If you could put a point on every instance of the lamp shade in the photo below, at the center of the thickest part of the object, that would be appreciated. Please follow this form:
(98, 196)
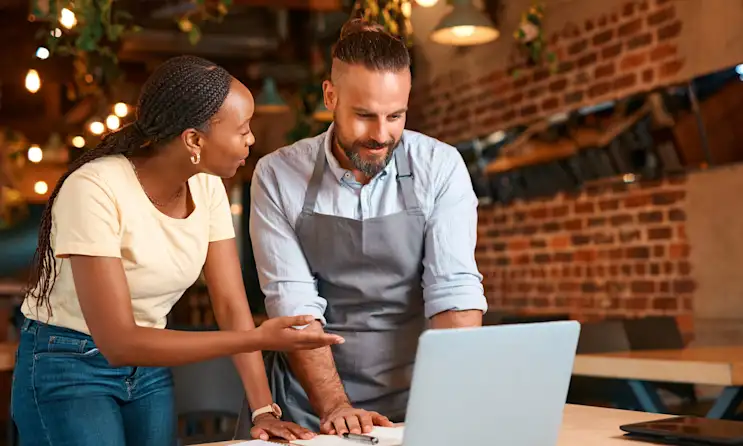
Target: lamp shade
(321, 113)
(269, 100)
(464, 25)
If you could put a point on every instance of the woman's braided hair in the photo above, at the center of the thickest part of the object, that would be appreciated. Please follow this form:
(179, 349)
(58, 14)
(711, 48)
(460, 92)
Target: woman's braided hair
(184, 92)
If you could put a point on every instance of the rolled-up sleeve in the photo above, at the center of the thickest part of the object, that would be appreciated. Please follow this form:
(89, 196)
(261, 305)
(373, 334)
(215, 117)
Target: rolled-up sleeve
(451, 280)
(283, 272)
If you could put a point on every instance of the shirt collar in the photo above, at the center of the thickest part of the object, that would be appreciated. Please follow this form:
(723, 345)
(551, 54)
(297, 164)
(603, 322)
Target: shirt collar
(339, 172)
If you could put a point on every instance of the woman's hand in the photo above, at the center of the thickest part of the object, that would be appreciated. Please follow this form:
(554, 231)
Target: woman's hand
(279, 334)
(266, 426)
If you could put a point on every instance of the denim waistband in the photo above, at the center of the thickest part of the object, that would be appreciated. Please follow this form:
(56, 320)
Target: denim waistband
(33, 326)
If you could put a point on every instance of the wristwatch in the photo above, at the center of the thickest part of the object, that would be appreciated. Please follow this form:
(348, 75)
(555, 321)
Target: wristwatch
(273, 409)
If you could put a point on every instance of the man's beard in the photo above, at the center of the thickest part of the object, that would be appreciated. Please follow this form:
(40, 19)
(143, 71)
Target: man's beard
(370, 168)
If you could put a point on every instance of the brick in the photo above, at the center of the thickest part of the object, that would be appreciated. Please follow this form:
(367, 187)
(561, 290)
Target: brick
(605, 70)
(626, 81)
(684, 286)
(558, 85)
(566, 66)
(620, 220)
(638, 252)
(542, 258)
(670, 31)
(585, 255)
(574, 97)
(588, 59)
(677, 215)
(654, 269)
(609, 205)
(635, 201)
(670, 197)
(529, 110)
(663, 51)
(627, 270)
(580, 239)
(630, 28)
(596, 221)
(582, 78)
(665, 303)
(577, 47)
(560, 211)
(599, 89)
(574, 225)
(614, 17)
(541, 75)
(560, 242)
(563, 257)
(589, 25)
(679, 251)
(628, 9)
(664, 233)
(603, 239)
(640, 269)
(648, 76)
(550, 104)
(662, 16)
(644, 6)
(650, 217)
(681, 230)
(684, 268)
(584, 208)
(603, 20)
(633, 61)
(671, 68)
(602, 37)
(642, 286)
(639, 41)
(536, 92)
(659, 251)
(611, 51)
(629, 235)
(551, 227)
(636, 303)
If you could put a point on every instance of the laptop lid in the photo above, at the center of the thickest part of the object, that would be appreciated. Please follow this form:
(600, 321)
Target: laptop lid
(502, 384)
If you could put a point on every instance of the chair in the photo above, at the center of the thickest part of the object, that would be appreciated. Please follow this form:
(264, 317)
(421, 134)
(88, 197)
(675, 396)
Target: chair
(601, 337)
(660, 332)
(208, 397)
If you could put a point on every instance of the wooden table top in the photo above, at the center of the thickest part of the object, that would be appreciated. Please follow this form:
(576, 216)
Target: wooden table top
(7, 356)
(719, 366)
(582, 425)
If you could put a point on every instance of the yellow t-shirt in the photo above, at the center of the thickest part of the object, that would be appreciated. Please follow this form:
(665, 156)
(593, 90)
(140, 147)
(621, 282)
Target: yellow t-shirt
(102, 210)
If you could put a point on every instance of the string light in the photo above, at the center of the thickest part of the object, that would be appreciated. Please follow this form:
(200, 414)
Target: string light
(426, 3)
(35, 154)
(67, 18)
(56, 32)
(33, 81)
(113, 122)
(42, 53)
(97, 128)
(121, 109)
(40, 187)
(78, 141)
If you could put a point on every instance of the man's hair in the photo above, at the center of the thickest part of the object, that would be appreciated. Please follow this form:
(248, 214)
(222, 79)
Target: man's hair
(370, 45)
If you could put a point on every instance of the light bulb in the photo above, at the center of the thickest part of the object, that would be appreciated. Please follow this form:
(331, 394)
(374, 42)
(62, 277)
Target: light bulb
(97, 128)
(35, 154)
(121, 109)
(407, 9)
(42, 53)
(426, 3)
(113, 122)
(67, 18)
(463, 31)
(78, 142)
(41, 187)
(56, 32)
(33, 81)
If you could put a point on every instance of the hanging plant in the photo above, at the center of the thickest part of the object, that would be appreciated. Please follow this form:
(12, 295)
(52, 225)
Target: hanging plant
(204, 11)
(393, 15)
(531, 40)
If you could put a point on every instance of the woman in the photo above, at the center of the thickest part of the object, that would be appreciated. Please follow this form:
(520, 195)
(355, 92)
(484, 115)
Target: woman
(126, 231)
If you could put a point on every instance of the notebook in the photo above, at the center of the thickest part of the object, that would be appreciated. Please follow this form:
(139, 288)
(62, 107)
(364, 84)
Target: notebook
(388, 436)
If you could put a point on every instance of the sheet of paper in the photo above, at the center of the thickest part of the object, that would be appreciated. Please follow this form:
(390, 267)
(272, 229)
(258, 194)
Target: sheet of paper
(256, 443)
(388, 436)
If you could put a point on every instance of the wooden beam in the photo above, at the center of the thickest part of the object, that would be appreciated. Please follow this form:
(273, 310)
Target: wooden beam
(312, 5)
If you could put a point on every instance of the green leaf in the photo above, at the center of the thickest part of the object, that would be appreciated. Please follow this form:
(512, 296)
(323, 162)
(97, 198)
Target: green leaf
(194, 35)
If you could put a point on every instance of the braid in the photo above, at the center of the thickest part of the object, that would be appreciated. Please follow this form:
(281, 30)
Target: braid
(184, 92)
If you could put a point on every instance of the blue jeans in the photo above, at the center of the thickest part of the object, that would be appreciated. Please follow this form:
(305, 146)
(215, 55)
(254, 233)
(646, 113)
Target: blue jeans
(66, 393)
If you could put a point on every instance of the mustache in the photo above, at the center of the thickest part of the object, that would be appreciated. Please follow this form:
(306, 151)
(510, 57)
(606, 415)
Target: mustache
(371, 144)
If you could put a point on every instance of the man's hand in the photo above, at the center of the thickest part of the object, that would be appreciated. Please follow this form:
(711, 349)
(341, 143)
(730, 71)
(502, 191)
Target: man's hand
(345, 418)
(267, 426)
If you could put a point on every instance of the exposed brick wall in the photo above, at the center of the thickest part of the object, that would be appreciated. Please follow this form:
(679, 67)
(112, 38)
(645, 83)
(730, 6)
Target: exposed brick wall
(613, 250)
(631, 49)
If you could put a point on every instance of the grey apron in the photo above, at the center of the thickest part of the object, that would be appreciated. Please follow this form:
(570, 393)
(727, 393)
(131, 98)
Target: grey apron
(370, 273)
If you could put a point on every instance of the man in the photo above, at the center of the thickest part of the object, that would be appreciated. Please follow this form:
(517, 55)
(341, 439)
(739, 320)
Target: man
(370, 228)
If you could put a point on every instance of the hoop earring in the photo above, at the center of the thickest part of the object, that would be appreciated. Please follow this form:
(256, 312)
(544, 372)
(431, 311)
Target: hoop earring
(196, 158)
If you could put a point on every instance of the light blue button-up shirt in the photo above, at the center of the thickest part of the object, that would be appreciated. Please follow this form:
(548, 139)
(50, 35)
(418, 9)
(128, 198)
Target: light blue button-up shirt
(451, 280)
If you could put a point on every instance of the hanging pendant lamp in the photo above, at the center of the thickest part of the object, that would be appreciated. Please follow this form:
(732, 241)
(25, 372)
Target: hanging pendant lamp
(269, 100)
(464, 25)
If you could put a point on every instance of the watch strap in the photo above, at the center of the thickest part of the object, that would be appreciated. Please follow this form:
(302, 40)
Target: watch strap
(273, 409)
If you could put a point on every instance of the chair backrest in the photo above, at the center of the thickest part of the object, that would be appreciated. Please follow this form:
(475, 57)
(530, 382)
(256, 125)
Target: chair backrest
(603, 337)
(212, 386)
(653, 332)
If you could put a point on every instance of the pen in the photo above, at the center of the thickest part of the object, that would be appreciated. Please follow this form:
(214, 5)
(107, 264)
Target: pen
(361, 438)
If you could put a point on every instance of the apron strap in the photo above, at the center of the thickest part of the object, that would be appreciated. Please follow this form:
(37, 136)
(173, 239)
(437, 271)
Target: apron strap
(310, 198)
(405, 179)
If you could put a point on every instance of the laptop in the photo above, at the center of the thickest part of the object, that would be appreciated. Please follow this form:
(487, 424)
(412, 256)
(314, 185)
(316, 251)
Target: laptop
(503, 384)
(687, 430)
